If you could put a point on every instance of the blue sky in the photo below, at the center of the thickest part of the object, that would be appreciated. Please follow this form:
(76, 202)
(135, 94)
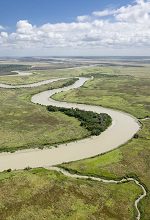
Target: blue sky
(74, 27)
(44, 11)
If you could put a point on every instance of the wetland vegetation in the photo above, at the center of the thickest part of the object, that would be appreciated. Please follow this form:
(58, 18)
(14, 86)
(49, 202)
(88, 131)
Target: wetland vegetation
(126, 93)
(26, 125)
(42, 194)
(95, 123)
(6, 69)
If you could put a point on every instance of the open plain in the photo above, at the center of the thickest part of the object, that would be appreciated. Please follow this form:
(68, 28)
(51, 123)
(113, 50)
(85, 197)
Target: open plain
(25, 125)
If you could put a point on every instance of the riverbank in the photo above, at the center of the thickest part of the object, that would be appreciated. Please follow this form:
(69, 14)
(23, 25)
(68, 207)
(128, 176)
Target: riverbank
(114, 123)
(122, 129)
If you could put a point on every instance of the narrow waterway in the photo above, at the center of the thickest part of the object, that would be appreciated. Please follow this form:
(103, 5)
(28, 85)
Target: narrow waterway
(124, 180)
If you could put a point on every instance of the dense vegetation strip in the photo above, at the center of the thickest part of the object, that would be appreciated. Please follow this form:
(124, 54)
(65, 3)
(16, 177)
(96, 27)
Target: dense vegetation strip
(8, 68)
(68, 82)
(132, 159)
(95, 123)
(25, 125)
(120, 93)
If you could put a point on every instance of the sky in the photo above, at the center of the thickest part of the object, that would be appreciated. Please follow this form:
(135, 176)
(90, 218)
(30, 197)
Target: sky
(74, 27)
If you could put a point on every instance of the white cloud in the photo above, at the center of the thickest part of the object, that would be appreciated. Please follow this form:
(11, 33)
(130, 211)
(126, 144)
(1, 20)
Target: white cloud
(140, 12)
(104, 13)
(83, 18)
(24, 27)
(140, 2)
(129, 28)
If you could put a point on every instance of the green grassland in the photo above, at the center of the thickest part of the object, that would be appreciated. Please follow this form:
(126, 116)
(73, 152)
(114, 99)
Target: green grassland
(40, 194)
(27, 125)
(130, 94)
(140, 72)
(19, 80)
(131, 159)
(124, 93)
(39, 75)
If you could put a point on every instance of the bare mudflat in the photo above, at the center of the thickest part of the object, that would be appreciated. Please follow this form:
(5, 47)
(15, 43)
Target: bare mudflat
(122, 129)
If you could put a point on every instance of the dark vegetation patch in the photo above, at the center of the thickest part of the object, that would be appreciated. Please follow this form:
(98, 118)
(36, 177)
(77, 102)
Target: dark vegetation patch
(26, 125)
(69, 82)
(6, 69)
(93, 122)
(125, 93)
(28, 195)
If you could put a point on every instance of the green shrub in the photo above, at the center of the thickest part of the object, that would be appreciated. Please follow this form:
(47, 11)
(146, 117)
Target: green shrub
(93, 122)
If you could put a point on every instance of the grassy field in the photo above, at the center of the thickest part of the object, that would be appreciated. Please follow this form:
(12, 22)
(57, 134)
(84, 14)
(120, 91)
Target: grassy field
(131, 159)
(39, 75)
(26, 125)
(140, 72)
(47, 74)
(39, 194)
(19, 80)
(130, 94)
(125, 93)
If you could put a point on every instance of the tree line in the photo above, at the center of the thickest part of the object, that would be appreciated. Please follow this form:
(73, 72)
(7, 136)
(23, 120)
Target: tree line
(95, 123)
(7, 68)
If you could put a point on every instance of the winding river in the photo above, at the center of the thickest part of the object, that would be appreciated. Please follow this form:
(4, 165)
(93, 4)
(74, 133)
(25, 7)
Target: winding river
(123, 128)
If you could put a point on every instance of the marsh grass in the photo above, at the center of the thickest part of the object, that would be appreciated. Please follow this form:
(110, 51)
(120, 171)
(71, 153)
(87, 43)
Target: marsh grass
(26, 125)
(130, 94)
(42, 194)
